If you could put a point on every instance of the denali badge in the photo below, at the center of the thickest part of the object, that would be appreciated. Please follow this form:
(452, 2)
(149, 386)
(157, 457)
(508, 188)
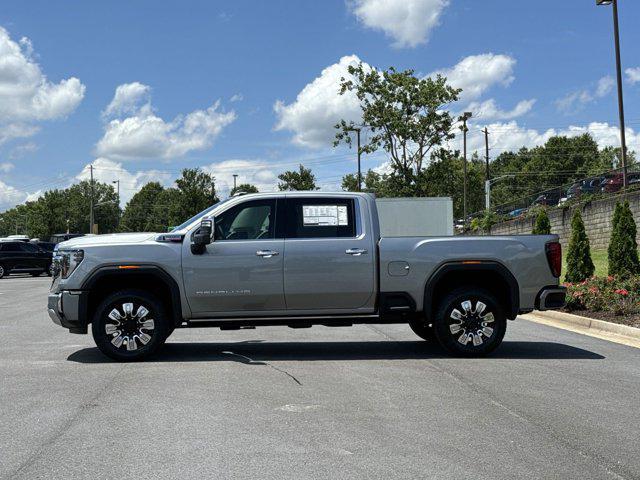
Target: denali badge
(223, 292)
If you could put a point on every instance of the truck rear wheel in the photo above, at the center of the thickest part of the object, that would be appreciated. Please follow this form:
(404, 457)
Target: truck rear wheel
(470, 322)
(423, 329)
(130, 325)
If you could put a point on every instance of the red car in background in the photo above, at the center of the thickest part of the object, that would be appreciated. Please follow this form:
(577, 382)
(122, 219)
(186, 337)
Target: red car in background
(613, 183)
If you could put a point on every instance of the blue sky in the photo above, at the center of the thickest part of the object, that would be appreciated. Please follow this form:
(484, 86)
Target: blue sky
(248, 87)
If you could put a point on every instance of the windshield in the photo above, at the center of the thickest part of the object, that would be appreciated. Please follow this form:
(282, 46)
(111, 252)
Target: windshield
(199, 215)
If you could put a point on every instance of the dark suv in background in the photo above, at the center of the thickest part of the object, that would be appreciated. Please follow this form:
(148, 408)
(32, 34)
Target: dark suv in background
(24, 257)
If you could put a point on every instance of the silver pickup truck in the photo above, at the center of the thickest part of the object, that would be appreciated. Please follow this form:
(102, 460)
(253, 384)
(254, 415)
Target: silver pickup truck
(299, 259)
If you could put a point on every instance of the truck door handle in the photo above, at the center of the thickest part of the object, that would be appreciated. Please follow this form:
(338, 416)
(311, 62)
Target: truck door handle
(267, 253)
(356, 252)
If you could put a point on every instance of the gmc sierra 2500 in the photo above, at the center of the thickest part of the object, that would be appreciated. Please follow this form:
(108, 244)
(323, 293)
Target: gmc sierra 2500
(299, 259)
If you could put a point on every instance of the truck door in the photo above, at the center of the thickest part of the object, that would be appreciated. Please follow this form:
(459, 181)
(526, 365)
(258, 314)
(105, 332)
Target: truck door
(329, 258)
(241, 270)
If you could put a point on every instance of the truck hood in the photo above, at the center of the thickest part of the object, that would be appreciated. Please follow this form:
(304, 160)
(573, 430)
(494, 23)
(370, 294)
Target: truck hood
(111, 239)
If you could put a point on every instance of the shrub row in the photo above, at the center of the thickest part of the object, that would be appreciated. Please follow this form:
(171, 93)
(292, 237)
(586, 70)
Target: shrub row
(620, 296)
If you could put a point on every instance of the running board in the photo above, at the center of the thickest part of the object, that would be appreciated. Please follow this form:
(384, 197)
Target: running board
(293, 322)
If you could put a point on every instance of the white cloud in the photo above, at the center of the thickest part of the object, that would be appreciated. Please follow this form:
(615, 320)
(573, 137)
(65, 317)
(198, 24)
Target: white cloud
(26, 95)
(238, 97)
(605, 86)
(20, 151)
(6, 167)
(575, 101)
(249, 171)
(488, 110)
(510, 136)
(144, 135)
(633, 75)
(476, 74)
(408, 22)
(128, 99)
(9, 196)
(108, 171)
(319, 106)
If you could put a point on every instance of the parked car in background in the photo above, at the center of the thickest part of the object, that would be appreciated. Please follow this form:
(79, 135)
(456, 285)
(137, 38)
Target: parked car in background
(62, 237)
(548, 199)
(15, 238)
(24, 257)
(573, 191)
(517, 212)
(611, 183)
(591, 185)
(46, 246)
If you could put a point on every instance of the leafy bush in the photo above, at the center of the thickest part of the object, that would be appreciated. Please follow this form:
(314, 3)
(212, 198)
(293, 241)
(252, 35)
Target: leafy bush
(620, 296)
(623, 248)
(485, 222)
(579, 263)
(542, 225)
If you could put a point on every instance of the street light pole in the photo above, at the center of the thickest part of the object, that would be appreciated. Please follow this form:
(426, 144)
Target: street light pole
(616, 34)
(465, 116)
(487, 189)
(91, 218)
(235, 180)
(486, 156)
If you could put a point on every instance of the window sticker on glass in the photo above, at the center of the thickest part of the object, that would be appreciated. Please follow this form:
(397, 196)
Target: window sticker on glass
(324, 215)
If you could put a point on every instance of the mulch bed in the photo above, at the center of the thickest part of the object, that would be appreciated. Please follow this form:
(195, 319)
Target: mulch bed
(630, 320)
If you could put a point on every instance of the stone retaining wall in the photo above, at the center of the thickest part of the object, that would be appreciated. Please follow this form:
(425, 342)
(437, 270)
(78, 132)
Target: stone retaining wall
(596, 214)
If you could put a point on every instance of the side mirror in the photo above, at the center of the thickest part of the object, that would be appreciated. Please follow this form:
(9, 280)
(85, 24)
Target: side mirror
(202, 237)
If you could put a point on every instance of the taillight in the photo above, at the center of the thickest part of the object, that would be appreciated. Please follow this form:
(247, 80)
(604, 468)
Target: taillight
(554, 257)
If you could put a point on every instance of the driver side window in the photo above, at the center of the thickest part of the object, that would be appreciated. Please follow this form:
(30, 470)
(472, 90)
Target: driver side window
(248, 221)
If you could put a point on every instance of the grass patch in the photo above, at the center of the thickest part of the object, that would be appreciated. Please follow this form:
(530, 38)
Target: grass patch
(600, 261)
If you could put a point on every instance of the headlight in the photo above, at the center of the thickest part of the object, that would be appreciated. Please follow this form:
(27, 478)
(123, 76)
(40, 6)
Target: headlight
(66, 261)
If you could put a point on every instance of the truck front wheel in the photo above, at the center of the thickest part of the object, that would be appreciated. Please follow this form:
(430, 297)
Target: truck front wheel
(470, 322)
(130, 325)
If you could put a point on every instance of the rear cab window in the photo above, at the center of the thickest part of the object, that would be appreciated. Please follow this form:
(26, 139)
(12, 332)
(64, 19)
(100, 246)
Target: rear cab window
(320, 217)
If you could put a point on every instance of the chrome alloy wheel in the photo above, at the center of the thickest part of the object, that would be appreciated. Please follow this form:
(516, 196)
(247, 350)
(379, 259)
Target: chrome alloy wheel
(471, 324)
(129, 330)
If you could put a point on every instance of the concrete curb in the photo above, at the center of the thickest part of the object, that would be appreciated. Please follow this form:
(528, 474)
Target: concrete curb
(588, 326)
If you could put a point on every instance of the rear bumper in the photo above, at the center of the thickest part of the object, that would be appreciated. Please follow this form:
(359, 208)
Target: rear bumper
(67, 308)
(551, 298)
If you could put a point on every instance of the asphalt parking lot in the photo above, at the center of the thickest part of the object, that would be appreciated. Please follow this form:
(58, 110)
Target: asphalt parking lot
(275, 403)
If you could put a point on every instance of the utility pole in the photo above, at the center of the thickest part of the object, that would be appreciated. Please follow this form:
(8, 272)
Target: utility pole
(616, 34)
(359, 170)
(91, 219)
(118, 188)
(465, 116)
(486, 155)
(358, 130)
(235, 178)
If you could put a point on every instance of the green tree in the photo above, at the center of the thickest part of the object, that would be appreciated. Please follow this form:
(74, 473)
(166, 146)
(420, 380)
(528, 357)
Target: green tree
(57, 211)
(371, 182)
(623, 248)
(484, 222)
(138, 215)
(404, 114)
(579, 263)
(197, 191)
(542, 225)
(300, 180)
(243, 187)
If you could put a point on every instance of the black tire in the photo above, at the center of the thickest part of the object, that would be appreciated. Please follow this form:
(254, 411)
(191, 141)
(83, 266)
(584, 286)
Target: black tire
(3, 271)
(114, 336)
(423, 329)
(471, 334)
